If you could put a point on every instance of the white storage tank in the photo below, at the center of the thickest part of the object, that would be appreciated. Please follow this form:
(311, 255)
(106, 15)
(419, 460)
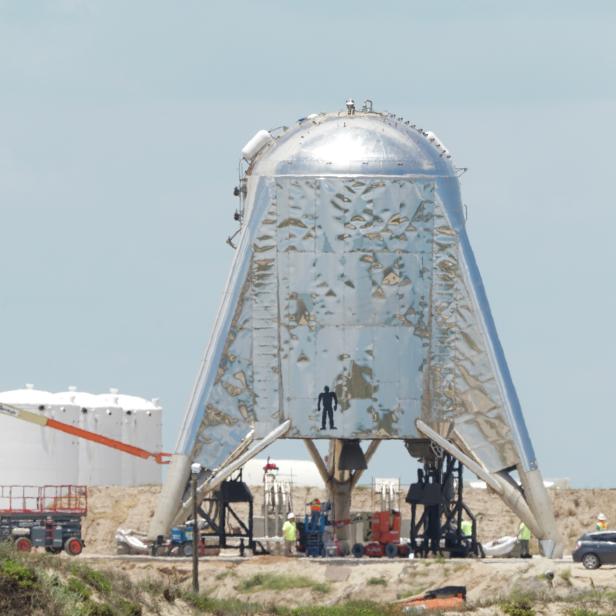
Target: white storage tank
(99, 465)
(149, 436)
(33, 455)
(30, 454)
(65, 447)
(141, 427)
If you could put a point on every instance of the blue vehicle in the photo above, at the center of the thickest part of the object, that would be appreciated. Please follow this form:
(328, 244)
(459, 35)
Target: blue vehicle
(596, 549)
(181, 540)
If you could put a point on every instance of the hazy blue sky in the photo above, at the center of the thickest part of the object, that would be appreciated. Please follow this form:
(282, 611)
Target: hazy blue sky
(121, 124)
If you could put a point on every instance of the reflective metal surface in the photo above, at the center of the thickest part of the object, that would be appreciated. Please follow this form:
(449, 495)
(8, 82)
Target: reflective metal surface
(363, 144)
(354, 272)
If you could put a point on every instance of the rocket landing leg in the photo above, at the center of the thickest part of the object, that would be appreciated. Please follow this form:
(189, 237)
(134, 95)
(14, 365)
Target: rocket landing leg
(550, 541)
(339, 491)
(532, 504)
(175, 484)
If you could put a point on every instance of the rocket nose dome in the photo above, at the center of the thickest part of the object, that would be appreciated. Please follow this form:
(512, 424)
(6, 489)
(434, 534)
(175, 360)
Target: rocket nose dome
(364, 143)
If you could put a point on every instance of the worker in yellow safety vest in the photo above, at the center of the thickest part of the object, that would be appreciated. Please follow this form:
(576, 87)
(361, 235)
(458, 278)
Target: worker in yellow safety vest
(524, 539)
(466, 526)
(289, 533)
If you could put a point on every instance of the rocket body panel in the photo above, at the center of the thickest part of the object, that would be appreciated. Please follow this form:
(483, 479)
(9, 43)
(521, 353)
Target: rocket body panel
(353, 273)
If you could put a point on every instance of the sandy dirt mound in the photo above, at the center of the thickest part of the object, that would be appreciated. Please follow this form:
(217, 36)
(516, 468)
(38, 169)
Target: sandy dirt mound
(126, 507)
(112, 507)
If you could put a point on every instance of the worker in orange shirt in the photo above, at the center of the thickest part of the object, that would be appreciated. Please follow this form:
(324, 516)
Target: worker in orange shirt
(315, 511)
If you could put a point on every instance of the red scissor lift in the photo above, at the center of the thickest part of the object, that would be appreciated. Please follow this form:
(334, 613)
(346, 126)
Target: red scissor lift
(43, 516)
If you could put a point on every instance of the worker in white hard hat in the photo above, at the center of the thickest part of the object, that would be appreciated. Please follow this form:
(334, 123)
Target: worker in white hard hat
(601, 523)
(289, 534)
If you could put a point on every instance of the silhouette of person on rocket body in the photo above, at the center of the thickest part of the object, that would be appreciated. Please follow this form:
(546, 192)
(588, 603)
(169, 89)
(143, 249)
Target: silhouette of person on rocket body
(327, 397)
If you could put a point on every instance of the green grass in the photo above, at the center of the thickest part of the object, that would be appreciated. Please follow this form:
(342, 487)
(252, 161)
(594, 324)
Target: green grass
(221, 607)
(40, 584)
(45, 584)
(224, 574)
(377, 581)
(98, 580)
(17, 573)
(593, 602)
(518, 607)
(18, 587)
(273, 581)
(235, 607)
(78, 588)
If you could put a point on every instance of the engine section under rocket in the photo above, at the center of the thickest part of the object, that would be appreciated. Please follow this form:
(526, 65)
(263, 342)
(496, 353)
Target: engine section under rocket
(354, 272)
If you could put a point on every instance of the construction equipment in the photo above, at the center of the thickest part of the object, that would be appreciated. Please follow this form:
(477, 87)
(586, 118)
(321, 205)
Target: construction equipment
(438, 529)
(50, 516)
(43, 516)
(446, 598)
(223, 522)
(312, 532)
(277, 500)
(220, 526)
(181, 541)
(383, 537)
(47, 422)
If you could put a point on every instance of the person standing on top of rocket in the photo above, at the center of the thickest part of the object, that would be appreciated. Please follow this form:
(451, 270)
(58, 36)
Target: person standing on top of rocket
(326, 397)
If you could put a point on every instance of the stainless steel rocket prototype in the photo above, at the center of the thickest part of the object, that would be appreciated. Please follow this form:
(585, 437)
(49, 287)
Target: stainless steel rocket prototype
(354, 271)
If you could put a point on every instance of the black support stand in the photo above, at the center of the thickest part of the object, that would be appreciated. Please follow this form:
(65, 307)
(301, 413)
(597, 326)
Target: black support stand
(437, 528)
(219, 514)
